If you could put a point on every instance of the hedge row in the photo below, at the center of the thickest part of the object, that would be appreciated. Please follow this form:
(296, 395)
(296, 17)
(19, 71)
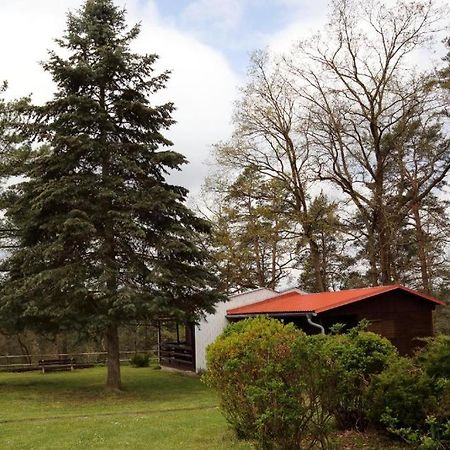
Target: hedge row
(286, 390)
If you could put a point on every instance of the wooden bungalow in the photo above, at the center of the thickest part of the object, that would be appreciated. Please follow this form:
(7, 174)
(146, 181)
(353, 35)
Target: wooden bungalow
(400, 314)
(396, 312)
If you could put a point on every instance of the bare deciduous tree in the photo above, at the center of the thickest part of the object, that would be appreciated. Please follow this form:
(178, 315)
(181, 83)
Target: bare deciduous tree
(358, 86)
(269, 139)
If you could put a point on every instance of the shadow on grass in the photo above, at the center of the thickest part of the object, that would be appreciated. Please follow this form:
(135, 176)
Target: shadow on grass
(83, 386)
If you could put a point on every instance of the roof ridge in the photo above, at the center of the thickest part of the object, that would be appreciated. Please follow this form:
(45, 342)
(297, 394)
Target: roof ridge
(277, 296)
(341, 299)
(253, 290)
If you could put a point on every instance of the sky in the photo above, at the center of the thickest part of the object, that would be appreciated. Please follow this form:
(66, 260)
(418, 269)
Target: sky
(205, 43)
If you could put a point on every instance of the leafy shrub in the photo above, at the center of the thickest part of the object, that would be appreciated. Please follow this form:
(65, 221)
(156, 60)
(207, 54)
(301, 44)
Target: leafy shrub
(411, 398)
(434, 435)
(272, 380)
(140, 360)
(358, 356)
(402, 391)
(236, 362)
(434, 358)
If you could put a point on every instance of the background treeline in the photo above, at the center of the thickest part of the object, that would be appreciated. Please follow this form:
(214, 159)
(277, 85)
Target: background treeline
(134, 338)
(336, 173)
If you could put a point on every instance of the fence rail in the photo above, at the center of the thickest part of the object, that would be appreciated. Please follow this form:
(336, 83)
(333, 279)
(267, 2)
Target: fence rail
(177, 355)
(31, 362)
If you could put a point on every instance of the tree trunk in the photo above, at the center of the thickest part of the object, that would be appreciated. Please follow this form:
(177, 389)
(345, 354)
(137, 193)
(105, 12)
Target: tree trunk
(302, 210)
(260, 276)
(385, 268)
(113, 381)
(315, 258)
(273, 274)
(381, 225)
(62, 344)
(147, 344)
(24, 349)
(420, 237)
(372, 257)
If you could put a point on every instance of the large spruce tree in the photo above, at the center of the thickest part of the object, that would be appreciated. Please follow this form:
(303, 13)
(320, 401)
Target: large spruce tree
(103, 237)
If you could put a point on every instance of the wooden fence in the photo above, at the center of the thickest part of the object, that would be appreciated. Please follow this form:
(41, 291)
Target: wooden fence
(23, 363)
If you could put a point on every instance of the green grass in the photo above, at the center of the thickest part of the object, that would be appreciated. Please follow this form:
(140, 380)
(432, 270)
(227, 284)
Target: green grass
(71, 410)
(158, 411)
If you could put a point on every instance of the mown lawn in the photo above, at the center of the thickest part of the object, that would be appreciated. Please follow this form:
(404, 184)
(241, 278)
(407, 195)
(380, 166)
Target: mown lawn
(71, 410)
(158, 411)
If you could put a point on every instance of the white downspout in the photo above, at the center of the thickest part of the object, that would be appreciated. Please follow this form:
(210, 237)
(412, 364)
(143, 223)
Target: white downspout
(314, 324)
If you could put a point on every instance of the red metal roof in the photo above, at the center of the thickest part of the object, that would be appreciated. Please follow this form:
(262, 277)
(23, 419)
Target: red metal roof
(293, 302)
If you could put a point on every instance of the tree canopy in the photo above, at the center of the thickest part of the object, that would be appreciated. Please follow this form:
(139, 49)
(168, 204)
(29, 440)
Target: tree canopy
(103, 238)
(347, 114)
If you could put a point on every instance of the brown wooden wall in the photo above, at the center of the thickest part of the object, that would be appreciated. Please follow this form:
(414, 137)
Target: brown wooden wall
(397, 315)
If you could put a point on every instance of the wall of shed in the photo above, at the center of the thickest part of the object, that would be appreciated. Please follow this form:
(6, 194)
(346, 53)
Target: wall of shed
(213, 325)
(399, 316)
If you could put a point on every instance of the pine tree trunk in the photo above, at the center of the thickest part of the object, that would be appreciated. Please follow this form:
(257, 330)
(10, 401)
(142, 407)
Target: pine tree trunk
(259, 268)
(385, 269)
(372, 273)
(113, 380)
(420, 237)
(273, 270)
(380, 223)
(318, 274)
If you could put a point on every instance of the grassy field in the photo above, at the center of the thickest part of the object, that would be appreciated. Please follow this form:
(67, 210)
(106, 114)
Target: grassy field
(71, 410)
(158, 411)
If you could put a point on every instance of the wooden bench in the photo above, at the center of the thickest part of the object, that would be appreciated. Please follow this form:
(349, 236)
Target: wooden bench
(49, 365)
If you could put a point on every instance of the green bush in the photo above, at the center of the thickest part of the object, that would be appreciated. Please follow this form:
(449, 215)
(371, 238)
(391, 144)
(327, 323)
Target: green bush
(358, 356)
(433, 435)
(402, 391)
(272, 380)
(140, 360)
(434, 358)
(411, 398)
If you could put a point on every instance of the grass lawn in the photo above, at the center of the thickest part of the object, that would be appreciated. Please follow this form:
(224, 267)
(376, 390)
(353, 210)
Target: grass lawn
(71, 410)
(158, 411)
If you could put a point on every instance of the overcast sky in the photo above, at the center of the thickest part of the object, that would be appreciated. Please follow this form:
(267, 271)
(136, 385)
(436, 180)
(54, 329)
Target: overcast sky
(206, 44)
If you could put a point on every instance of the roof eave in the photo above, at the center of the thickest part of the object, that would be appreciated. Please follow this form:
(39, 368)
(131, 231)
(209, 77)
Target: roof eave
(270, 314)
(389, 289)
(338, 305)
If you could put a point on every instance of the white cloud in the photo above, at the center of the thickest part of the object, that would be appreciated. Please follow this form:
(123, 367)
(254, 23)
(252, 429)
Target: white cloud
(219, 14)
(26, 31)
(310, 17)
(202, 85)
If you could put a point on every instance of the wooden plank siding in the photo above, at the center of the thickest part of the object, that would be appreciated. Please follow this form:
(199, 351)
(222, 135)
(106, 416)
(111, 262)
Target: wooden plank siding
(397, 315)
